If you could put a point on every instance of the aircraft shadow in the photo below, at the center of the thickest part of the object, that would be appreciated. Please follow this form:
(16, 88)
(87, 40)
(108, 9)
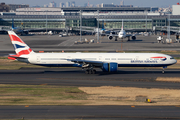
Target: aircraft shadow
(78, 72)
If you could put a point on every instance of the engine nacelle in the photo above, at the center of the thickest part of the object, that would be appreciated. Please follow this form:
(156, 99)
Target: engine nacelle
(110, 37)
(133, 37)
(110, 67)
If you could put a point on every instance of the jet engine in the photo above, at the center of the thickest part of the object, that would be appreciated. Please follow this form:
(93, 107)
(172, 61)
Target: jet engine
(133, 37)
(110, 67)
(110, 37)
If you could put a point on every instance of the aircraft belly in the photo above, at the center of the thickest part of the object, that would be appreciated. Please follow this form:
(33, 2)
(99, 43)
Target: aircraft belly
(143, 65)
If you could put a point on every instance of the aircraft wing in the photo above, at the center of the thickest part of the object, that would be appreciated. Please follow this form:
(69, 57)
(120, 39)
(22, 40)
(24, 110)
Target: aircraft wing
(84, 61)
(114, 35)
(128, 35)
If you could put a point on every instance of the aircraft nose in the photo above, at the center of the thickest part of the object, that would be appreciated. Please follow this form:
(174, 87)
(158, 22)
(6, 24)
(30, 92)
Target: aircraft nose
(175, 61)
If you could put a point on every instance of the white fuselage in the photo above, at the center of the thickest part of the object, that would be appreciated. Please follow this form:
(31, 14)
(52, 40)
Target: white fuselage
(122, 34)
(123, 59)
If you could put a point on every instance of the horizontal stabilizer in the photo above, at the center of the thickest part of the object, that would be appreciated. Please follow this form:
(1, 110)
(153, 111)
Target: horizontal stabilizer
(14, 57)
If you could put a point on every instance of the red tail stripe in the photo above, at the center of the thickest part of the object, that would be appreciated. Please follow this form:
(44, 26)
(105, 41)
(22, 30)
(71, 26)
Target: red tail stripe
(15, 38)
(158, 57)
(24, 52)
(13, 57)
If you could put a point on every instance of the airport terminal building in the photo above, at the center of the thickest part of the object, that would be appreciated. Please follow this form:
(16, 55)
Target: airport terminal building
(138, 18)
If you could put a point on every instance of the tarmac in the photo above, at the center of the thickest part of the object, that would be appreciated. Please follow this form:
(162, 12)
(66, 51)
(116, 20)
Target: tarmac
(141, 78)
(125, 77)
(54, 43)
(90, 112)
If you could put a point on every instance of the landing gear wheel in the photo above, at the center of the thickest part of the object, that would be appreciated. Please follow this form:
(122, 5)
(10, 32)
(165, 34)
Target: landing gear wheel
(90, 72)
(163, 69)
(87, 71)
(93, 71)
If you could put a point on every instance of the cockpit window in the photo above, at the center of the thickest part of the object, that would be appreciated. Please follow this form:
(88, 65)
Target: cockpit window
(171, 58)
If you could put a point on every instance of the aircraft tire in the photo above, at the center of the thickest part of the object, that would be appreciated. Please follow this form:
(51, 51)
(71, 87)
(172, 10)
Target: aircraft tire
(87, 71)
(94, 71)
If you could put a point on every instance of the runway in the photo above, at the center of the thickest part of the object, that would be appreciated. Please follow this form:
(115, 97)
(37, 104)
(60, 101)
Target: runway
(90, 112)
(143, 78)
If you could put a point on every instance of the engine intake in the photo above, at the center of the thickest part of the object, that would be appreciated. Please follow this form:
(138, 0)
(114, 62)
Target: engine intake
(110, 37)
(133, 37)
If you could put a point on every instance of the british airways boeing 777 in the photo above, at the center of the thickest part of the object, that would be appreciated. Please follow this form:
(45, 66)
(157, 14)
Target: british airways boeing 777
(108, 62)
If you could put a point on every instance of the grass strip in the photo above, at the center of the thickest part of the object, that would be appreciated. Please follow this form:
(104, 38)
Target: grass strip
(40, 95)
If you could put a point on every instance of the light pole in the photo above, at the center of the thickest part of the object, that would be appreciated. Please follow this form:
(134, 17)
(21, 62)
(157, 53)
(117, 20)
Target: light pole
(46, 21)
(146, 21)
(98, 27)
(80, 25)
(168, 27)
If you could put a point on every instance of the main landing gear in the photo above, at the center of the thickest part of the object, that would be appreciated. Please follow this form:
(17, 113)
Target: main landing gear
(128, 38)
(88, 71)
(115, 38)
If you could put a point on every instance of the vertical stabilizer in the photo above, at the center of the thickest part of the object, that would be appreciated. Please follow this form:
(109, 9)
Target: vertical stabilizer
(20, 47)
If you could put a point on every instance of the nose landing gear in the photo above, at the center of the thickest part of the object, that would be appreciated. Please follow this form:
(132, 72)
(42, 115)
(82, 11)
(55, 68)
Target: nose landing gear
(163, 69)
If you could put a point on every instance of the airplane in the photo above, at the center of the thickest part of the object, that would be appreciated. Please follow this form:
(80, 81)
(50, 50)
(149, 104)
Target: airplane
(18, 30)
(122, 34)
(103, 31)
(108, 62)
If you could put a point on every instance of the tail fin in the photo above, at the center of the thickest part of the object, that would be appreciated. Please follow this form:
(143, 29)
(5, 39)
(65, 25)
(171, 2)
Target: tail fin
(20, 47)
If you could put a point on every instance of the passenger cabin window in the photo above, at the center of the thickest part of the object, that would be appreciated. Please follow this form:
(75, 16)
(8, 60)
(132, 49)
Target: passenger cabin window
(90, 58)
(124, 58)
(107, 58)
(113, 58)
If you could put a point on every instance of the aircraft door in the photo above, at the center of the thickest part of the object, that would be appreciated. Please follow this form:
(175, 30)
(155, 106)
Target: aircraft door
(38, 59)
(100, 58)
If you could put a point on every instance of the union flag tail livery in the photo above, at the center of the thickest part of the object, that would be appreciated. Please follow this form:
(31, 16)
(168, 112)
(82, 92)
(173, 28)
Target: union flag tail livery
(21, 48)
